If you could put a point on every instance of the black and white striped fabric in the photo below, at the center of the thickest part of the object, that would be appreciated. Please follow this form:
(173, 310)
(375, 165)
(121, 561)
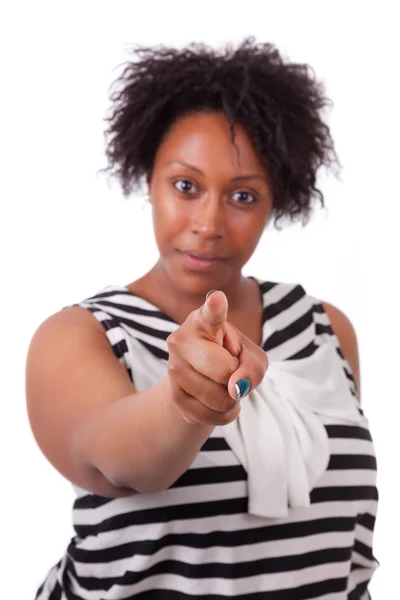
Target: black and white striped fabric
(197, 539)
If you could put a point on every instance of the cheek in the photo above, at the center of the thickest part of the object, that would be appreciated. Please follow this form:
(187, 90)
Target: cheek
(246, 230)
(168, 215)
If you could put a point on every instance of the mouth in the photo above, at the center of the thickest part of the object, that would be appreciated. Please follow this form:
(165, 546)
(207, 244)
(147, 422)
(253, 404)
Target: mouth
(201, 260)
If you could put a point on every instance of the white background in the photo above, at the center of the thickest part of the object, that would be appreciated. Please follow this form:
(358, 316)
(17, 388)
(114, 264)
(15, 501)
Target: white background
(65, 233)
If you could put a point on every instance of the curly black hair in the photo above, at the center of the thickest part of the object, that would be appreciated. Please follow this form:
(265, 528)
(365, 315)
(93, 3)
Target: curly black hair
(279, 103)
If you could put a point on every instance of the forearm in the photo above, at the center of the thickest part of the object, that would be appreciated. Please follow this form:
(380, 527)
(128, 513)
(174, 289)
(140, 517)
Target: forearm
(140, 441)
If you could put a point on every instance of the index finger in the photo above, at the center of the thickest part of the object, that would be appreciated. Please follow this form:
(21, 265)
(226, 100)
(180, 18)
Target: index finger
(211, 317)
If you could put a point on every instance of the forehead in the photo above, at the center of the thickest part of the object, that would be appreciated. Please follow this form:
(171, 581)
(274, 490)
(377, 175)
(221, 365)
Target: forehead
(205, 140)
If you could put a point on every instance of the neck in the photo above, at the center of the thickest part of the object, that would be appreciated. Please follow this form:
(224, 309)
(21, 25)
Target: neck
(179, 301)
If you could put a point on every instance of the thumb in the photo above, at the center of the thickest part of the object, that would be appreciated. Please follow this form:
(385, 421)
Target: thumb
(212, 316)
(249, 374)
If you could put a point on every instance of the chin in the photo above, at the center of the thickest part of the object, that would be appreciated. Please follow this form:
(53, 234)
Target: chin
(197, 286)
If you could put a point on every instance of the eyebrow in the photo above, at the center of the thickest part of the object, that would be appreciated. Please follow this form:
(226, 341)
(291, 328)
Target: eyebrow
(179, 162)
(238, 178)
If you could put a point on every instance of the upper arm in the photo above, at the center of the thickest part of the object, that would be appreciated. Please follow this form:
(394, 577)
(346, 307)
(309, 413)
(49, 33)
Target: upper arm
(344, 331)
(72, 374)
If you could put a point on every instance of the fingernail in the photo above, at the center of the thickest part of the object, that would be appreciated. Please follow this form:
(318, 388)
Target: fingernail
(209, 293)
(242, 387)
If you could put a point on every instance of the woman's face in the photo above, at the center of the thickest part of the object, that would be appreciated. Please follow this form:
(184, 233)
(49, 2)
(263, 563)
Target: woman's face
(211, 201)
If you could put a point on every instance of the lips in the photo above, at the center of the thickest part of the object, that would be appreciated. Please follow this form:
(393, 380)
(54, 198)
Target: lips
(202, 255)
(199, 260)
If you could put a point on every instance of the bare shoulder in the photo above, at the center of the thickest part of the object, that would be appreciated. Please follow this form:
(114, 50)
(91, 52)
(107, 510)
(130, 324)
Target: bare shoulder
(63, 337)
(74, 319)
(72, 374)
(345, 332)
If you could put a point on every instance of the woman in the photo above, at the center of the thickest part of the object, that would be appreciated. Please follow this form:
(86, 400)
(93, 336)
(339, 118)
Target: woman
(208, 421)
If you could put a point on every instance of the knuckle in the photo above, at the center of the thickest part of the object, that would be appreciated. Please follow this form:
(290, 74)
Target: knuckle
(218, 400)
(173, 340)
(172, 335)
(227, 404)
(225, 371)
(264, 360)
(177, 396)
(227, 417)
(259, 370)
(173, 368)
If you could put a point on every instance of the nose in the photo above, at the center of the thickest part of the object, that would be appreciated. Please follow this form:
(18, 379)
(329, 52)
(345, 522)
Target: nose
(207, 219)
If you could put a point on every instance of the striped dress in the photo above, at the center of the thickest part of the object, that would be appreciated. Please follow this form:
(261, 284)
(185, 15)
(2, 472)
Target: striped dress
(197, 539)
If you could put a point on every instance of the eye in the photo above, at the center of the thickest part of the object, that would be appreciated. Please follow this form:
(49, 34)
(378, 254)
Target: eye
(244, 197)
(184, 186)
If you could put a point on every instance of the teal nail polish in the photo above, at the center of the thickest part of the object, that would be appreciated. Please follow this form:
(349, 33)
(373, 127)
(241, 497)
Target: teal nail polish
(242, 387)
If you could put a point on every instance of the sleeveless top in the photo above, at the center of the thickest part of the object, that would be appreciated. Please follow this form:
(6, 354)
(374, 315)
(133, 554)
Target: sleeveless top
(199, 538)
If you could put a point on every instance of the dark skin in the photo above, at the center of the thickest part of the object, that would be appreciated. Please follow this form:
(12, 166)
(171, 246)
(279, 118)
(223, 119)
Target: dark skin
(215, 214)
(213, 197)
(209, 214)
